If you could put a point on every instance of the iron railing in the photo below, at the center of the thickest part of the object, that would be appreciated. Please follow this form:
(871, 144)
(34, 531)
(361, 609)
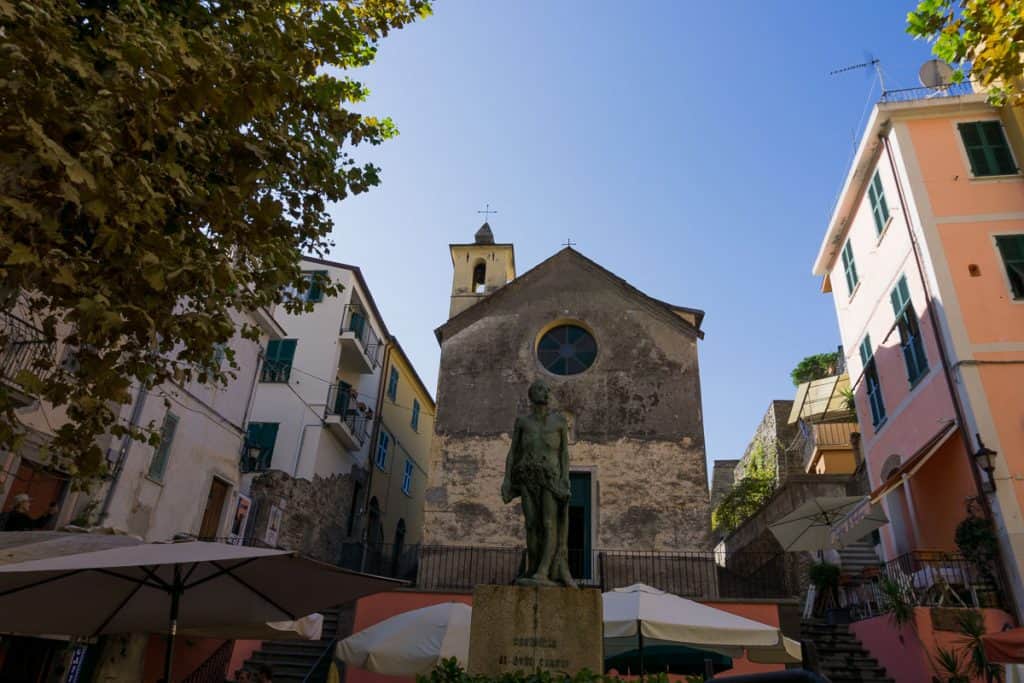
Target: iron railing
(25, 347)
(356, 321)
(694, 574)
(215, 668)
(911, 94)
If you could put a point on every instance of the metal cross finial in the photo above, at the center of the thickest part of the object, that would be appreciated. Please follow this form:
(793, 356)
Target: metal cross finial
(487, 210)
(569, 242)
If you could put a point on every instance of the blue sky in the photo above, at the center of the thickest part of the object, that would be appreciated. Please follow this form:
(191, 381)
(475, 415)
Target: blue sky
(694, 149)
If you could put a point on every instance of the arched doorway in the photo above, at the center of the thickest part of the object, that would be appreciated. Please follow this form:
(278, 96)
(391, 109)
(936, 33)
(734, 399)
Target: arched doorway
(900, 528)
(374, 537)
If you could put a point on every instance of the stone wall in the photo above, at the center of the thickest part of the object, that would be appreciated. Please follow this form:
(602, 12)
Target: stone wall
(315, 514)
(773, 436)
(649, 494)
(723, 476)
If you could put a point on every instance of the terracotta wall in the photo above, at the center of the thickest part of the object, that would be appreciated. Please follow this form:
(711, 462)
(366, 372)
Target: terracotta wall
(907, 653)
(376, 608)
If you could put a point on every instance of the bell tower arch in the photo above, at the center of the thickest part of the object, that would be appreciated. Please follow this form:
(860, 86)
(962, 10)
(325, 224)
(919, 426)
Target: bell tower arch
(479, 268)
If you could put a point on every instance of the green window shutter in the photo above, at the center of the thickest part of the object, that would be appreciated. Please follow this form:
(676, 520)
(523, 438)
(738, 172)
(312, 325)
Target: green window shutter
(849, 267)
(879, 206)
(315, 293)
(264, 436)
(1011, 249)
(277, 366)
(866, 351)
(987, 149)
(900, 296)
(158, 465)
(393, 384)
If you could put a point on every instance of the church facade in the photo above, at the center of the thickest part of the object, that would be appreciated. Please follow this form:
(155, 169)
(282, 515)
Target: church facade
(622, 368)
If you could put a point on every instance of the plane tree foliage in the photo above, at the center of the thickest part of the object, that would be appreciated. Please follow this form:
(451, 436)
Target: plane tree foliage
(982, 38)
(162, 164)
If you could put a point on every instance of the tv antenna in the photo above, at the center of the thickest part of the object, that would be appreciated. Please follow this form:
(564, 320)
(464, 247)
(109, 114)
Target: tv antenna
(869, 62)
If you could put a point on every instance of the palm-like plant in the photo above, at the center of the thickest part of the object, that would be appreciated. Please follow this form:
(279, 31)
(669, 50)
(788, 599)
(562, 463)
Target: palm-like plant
(949, 666)
(972, 625)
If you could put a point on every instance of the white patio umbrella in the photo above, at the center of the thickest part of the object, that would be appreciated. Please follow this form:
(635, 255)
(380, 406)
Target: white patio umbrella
(157, 587)
(640, 615)
(827, 522)
(411, 643)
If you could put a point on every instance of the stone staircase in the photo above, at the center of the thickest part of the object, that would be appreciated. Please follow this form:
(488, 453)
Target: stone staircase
(294, 660)
(841, 658)
(858, 556)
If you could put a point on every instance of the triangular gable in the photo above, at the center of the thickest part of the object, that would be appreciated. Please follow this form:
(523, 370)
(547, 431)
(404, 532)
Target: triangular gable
(678, 315)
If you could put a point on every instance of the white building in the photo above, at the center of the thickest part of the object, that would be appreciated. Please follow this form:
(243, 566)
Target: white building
(317, 398)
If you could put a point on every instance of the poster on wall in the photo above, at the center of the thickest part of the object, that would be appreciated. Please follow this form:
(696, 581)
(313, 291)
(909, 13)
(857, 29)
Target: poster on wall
(240, 520)
(273, 526)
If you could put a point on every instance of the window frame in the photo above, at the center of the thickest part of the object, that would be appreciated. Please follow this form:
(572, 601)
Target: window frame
(986, 149)
(407, 477)
(315, 293)
(380, 458)
(909, 327)
(1015, 296)
(879, 204)
(162, 453)
(415, 421)
(872, 383)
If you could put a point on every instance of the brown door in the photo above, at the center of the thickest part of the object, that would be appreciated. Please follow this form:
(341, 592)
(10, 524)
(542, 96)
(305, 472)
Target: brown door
(214, 508)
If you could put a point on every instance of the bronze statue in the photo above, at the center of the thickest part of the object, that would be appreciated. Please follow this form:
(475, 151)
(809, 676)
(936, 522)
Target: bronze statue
(537, 470)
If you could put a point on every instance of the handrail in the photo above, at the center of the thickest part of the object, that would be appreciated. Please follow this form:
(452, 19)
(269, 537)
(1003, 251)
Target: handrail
(213, 668)
(319, 659)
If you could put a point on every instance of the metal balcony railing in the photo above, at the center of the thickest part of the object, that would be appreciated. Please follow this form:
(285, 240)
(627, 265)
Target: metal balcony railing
(911, 94)
(693, 574)
(356, 322)
(25, 347)
(341, 402)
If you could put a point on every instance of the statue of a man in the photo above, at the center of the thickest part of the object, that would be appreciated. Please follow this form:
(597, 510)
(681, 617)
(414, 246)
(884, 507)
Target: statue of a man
(537, 470)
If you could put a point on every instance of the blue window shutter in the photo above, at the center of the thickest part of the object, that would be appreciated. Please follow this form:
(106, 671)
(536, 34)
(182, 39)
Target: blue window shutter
(315, 293)
(158, 465)
(415, 414)
(393, 384)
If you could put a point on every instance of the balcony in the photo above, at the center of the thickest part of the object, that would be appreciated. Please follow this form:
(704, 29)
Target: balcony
(343, 418)
(694, 574)
(360, 346)
(912, 94)
(827, 447)
(25, 347)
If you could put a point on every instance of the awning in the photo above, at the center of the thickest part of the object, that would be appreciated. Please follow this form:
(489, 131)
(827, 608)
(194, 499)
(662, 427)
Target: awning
(915, 462)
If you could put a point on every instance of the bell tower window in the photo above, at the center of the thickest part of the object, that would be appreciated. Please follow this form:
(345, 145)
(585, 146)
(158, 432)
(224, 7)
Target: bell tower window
(479, 277)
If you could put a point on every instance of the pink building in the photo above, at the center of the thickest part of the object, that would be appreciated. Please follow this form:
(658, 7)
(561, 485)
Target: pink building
(924, 257)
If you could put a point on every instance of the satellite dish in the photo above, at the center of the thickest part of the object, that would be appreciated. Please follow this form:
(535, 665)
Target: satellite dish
(935, 73)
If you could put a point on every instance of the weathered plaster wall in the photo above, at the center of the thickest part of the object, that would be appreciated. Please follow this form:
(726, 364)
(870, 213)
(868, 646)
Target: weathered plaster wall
(635, 414)
(315, 514)
(774, 436)
(723, 476)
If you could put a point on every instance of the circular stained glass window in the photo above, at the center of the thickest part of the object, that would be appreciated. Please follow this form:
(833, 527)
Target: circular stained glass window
(566, 350)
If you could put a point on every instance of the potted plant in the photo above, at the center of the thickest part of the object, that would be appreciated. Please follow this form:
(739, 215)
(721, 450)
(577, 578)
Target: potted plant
(824, 576)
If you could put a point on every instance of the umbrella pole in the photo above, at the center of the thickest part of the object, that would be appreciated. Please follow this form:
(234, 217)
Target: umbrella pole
(173, 629)
(640, 635)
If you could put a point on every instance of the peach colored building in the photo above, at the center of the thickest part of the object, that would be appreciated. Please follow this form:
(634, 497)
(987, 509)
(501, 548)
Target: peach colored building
(924, 257)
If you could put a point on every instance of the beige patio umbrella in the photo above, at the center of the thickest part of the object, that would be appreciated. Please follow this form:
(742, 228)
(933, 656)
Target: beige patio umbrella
(641, 616)
(411, 643)
(827, 522)
(159, 587)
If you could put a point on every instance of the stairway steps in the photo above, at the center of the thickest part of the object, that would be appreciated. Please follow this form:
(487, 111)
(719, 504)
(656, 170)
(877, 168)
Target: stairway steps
(841, 656)
(293, 660)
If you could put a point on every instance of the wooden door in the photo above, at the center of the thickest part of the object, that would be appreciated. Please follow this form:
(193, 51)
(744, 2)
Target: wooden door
(214, 508)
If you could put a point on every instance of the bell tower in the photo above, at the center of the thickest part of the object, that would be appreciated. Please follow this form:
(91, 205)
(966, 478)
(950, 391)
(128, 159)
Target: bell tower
(479, 268)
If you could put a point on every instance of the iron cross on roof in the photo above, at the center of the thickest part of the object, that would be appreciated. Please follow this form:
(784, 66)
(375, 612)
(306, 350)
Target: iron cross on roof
(568, 242)
(487, 210)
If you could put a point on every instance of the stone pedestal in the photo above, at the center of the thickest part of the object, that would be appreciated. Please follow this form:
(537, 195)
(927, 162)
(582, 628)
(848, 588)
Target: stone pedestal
(516, 628)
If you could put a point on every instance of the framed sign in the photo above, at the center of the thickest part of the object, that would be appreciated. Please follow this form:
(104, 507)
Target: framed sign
(273, 526)
(241, 518)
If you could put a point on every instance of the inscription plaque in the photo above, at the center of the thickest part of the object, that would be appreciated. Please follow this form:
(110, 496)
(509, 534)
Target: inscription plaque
(519, 628)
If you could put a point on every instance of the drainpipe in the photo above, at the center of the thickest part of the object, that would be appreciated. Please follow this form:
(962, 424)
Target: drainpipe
(944, 361)
(122, 454)
(374, 435)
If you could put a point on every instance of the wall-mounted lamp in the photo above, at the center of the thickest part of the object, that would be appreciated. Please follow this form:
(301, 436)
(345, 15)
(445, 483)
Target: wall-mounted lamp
(986, 459)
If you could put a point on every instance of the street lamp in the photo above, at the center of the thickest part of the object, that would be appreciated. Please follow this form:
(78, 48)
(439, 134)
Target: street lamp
(252, 456)
(985, 458)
